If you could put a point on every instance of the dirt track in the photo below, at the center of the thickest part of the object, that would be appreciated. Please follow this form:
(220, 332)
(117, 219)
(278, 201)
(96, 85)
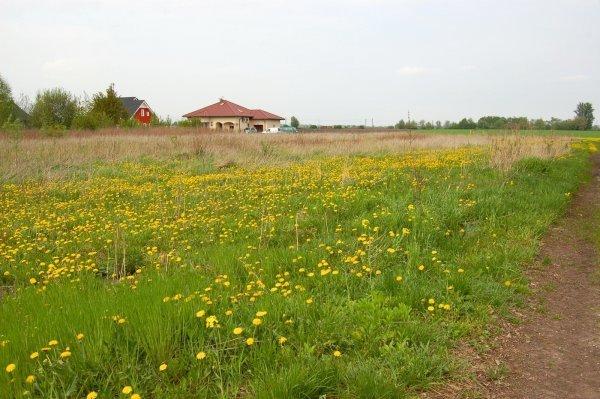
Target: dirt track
(555, 352)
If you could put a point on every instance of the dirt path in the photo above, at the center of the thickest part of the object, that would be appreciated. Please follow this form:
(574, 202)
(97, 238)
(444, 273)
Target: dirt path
(555, 352)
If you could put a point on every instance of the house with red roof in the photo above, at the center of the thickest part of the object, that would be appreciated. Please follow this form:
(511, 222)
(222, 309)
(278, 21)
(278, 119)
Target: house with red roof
(228, 116)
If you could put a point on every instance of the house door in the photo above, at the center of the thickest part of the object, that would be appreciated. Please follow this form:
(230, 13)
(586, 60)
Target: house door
(259, 128)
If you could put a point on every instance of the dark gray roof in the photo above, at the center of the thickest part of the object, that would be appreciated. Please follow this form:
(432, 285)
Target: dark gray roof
(19, 113)
(131, 104)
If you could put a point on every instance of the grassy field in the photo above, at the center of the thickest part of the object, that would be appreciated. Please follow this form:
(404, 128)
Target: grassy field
(296, 267)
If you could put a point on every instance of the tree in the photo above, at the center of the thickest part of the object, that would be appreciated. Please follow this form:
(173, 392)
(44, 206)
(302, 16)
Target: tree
(6, 102)
(466, 124)
(54, 107)
(294, 122)
(109, 105)
(585, 111)
(401, 124)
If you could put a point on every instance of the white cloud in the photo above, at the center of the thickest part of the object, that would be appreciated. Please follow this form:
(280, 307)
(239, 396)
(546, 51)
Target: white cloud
(415, 70)
(59, 65)
(573, 78)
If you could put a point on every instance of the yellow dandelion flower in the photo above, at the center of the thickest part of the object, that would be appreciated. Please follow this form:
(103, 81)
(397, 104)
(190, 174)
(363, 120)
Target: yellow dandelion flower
(238, 330)
(162, 367)
(261, 313)
(200, 313)
(34, 355)
(228, 312)
(30, 379)
(65, 355)
(508, 283)
(92, 395)
(127, 390)
(282, 340)
(421, 267)
(79, 336)
(399, 279)
(430, 308)
(250, 341)
(136, 396)
(337, 353)
(10, 368)
(309, 301)
(200, 355)
(32, 281)
(53, 343)
(257, 322)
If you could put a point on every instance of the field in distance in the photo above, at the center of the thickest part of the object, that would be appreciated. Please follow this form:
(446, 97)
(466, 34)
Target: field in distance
(187, 266)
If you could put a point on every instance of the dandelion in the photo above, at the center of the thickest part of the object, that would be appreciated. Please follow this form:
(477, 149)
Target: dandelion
(162, 367)
(200, 355)
(430, 308)
(309, 301)
(508, 283)
(399, 279)
(228, 312)
(421, 267)
(53, 343)
(32, 280)
(200, 313)
(10, 368)
(127, 390)
(238, 330)
(121, 321)
(250, 341)
(30, 379)
(261, 313)
(212, 321)
(79, 336)
(391, 250)
(34, 355)
(431, 301)
(282, 340)
(257, 322)
(65, 355)
(337, 353)
(92, 395)
(135, 396)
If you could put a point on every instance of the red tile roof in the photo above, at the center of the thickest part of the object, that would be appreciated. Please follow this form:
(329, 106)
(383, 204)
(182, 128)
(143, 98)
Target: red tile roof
(227, 108)
(261, 114)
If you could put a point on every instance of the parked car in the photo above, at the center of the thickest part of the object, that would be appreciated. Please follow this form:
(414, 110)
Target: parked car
(288, 129)
(272, 130)
(250, 129)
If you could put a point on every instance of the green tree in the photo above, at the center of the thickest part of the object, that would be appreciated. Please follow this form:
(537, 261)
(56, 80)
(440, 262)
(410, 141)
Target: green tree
(294, 122)
(54, 107)
(7, 106)
(585, 111)
(109, 105)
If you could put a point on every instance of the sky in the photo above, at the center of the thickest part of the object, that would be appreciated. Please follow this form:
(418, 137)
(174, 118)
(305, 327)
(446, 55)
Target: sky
(326, 62)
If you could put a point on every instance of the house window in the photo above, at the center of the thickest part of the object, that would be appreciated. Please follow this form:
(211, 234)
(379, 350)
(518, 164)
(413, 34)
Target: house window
(142, 112)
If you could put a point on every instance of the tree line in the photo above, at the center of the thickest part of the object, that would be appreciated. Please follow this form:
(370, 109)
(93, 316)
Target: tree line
(583, 120)
(55, 110)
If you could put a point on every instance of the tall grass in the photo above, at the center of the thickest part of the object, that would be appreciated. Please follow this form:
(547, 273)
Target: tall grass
(371, 258)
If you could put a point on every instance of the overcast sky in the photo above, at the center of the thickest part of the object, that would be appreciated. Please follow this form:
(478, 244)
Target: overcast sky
(338, 61)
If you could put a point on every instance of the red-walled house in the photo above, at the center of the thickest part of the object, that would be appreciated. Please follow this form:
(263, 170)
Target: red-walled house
(137, 109)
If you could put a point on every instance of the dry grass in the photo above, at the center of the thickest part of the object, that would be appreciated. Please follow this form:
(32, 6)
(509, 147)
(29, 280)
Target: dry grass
(37, 157)
(506, 150)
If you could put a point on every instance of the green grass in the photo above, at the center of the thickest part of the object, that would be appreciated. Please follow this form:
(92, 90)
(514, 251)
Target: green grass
(493, 132)
(152, 244)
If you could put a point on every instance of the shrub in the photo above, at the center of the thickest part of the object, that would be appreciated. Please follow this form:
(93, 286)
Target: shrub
(91, 120)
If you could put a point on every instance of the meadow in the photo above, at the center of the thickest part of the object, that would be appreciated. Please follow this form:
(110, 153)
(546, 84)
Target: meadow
(333, 266)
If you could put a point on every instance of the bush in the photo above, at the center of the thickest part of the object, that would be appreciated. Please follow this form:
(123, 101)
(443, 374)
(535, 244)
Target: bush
(13, 127)
(55, 130)
(54, 107)
(91, 120)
